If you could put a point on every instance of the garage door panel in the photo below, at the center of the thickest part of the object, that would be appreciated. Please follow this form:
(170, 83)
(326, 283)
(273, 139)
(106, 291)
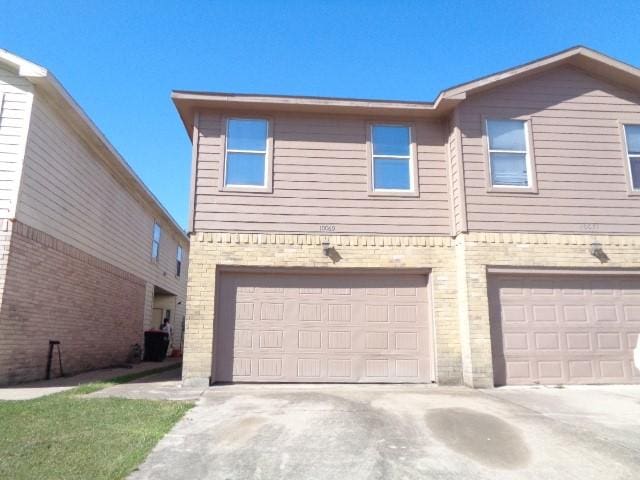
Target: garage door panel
(347, 328)
(330, 369)
(579, 342)
(577, 330)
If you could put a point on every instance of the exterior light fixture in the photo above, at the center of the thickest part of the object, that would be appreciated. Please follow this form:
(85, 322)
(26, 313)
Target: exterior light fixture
(326, 246)
(597, 251)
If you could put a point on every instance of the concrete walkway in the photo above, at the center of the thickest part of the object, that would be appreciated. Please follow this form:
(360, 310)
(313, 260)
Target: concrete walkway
(402, 432)
(27, 391)
(160, 386)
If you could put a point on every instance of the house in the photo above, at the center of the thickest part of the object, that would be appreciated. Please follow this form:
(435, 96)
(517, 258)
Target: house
(489, 237)
(90, 258)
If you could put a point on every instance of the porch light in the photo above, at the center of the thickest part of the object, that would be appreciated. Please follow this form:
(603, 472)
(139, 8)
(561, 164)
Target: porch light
(597, 251)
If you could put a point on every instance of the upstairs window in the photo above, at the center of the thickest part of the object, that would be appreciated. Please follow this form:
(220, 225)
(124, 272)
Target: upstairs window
(246, 155)
(509, 153)
(155, 243)
(632, 135)
(392, 158)
(178, 261)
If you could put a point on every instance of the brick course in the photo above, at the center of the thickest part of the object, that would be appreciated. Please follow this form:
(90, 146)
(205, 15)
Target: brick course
(55, 291)
(565, 252)
(458, 281)
(208, 250)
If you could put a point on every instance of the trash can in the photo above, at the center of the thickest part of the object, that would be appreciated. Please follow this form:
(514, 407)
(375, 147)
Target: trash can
(156, 343)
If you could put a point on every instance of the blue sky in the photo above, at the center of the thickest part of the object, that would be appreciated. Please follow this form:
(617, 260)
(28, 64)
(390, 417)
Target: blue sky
(121, 59)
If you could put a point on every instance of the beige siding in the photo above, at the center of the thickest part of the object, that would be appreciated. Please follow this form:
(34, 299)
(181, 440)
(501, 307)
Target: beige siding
(320, 177)
(578, 153)
(15, 105)
(69, 193)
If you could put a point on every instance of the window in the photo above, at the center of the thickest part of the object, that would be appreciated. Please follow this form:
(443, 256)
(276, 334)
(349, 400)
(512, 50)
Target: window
(155, 244)
(391, 158)
(246, 155)
(509, 153)
(178, 260)
(632, 135)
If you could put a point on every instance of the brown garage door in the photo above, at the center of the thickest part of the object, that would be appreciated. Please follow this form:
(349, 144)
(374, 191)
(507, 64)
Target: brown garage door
(323, 328)
(564, 329)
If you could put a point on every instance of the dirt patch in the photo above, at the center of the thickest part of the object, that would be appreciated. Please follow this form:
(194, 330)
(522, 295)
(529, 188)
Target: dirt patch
(485, 438)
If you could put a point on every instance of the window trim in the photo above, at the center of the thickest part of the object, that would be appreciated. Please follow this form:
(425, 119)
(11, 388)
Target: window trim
(156, 259)
(267, 187)
(632, 192)
(532, 181)
(414, 191)
(179, 260)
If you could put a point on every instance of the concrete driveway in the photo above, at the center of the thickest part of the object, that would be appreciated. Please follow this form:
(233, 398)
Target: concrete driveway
(403, 432)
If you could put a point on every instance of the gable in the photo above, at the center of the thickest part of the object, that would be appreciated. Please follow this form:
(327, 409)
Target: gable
(564, 87)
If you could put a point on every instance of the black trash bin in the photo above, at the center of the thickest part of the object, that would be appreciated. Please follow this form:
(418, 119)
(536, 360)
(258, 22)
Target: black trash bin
(156, 343)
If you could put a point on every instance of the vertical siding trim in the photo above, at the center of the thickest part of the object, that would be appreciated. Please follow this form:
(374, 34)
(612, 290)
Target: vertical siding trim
(15, 193)
(195, 150)
(457, 133)
(446, 127)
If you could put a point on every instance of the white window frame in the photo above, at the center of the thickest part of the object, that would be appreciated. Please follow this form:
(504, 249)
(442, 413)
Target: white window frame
(629, 156)
(154, 241)
(179, 260)
(410, 158)
(526, 152)
(265, 153)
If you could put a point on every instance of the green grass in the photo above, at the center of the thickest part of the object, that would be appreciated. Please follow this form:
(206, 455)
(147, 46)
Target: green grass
(68, 436)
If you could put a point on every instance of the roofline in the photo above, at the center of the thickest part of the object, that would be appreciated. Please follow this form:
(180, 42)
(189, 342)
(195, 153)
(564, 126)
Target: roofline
(40, 76)
(536, 65)
(319, 98)
(185, 101)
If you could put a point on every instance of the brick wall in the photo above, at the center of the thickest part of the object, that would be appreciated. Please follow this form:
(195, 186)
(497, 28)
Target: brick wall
(566, 252)
(458, 281)
(5, 240)
(274, 250)
(55, 291)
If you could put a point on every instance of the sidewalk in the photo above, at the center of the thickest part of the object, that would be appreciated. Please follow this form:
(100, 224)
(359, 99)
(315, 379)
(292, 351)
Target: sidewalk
(28, 391)
(159, 386)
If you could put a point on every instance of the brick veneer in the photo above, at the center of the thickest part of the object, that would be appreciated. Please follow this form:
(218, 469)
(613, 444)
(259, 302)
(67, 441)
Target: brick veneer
(527, 251)
(55, 291)
(458, 281)
(208, 250)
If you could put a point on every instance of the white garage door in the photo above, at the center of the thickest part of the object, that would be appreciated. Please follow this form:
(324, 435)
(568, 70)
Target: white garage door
(323, 328)
(559, 329)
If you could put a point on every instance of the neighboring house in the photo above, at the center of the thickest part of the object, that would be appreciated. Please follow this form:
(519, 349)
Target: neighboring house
(89, 256)
(489, 237)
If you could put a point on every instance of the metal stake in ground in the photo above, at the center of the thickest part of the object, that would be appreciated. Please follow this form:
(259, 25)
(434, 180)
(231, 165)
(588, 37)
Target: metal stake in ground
(53, 343)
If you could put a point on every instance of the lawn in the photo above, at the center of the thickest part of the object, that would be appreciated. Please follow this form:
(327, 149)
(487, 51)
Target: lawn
(67, 436)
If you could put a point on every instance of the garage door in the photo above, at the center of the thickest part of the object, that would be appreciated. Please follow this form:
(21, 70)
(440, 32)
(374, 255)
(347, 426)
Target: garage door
(323, 328)
(564, 329)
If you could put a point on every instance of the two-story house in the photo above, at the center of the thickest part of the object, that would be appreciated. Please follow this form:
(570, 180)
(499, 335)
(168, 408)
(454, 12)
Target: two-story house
(90, 258)
(489, 237)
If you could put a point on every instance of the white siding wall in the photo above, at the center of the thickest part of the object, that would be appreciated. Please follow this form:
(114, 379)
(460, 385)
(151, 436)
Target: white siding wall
(16, 96)
(69, 193)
